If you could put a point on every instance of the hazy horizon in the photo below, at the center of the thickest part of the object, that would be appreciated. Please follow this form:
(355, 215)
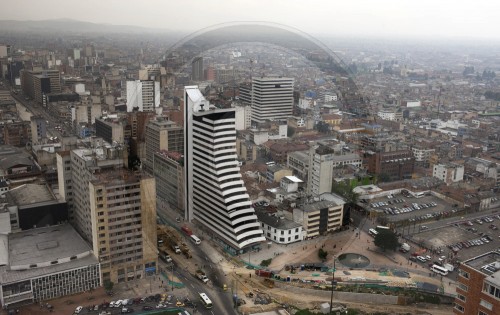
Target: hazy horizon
(463, 19)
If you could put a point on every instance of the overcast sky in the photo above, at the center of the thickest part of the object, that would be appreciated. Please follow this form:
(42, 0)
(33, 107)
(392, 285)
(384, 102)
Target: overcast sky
(421, 18)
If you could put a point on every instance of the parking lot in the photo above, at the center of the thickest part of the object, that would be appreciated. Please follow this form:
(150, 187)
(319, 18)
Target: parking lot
(401, 208)
(463, 238)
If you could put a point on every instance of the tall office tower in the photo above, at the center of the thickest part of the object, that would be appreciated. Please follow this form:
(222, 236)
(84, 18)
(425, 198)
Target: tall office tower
(38, 84)
(197, 69)
(215, 193)
(272, 98)
(113, 209)
(245, 93)
(144, 95)
(162, 135)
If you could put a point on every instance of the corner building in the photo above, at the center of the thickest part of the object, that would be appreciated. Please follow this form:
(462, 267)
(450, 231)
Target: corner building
(215, 193)
(478, 288)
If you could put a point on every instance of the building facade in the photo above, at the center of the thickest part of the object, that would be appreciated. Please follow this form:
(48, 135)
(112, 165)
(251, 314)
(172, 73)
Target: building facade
(478, 288)
(143, 95)
(162, 135)
(449, 173)
(319, 218)
(215, 193)
(272, 98)
(123, 215)
(169, 174)
(38, 84)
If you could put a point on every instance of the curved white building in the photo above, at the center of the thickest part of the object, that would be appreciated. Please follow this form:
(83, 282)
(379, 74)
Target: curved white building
(215, 193)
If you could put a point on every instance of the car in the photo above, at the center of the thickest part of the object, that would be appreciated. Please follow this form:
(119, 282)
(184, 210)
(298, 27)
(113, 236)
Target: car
(160, 305)
(78, 309)
(479, 221)
(118, 303)
(412, 258)
(428, 257)
(421, 259)
(147, 308)
(111, 304)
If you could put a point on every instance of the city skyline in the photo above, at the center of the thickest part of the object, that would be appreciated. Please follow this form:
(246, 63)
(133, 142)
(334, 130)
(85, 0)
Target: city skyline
(386, 18)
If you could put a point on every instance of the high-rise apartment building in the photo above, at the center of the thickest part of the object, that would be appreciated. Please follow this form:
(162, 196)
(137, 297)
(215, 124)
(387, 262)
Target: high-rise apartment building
(215, 193)
(272, 98)
(162, 135)
(197, 69)
(478, 288)
(113, 209)
(143, 95)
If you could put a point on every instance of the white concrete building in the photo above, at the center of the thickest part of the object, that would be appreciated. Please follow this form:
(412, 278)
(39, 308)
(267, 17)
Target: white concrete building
(215, 193)
(243, 116)
(319, 218)
(449, 173)
(272, 98)
(143, 94)
(279, 229)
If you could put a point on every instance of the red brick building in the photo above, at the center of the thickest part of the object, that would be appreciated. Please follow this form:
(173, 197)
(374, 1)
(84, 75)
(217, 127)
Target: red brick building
(478, 289)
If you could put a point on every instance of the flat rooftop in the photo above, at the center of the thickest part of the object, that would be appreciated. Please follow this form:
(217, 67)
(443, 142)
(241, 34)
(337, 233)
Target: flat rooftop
(45, 245)
(30, 193)
(488, 263)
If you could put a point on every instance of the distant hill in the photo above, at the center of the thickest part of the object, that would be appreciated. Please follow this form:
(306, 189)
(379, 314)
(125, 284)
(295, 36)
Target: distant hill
(71, 26)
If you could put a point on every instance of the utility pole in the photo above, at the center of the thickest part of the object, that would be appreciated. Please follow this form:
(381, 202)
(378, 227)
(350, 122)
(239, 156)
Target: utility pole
(333, 280)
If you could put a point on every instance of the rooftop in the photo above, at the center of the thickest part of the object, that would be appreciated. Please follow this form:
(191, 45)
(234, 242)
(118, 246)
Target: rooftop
(275, 221)
(488, 264)
(29, 194)
(43, 246)
(316, 206)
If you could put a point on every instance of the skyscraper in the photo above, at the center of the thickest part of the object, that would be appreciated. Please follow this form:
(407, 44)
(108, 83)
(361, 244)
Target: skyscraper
(272, 98)
(143, 95)
(162, 135)
(215, 193)
(197, 69)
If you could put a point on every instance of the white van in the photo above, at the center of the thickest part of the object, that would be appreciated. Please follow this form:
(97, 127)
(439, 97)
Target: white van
(78, 309)
(195, 239)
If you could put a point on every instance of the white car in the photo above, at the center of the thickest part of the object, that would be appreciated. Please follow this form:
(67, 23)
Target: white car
(421, 259)
(118, 303)
(78, 309)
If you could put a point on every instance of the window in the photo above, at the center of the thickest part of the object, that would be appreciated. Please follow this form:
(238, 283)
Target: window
(463, 287)
(459, 307)
(461, 297)
(463, 273)
(491, 290)
(486, 304)
(481, 313)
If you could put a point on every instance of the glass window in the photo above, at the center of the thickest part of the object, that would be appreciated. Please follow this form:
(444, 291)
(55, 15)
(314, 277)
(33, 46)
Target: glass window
(486, 304)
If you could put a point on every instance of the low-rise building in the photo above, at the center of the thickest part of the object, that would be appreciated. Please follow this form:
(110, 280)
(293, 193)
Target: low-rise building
(320, 217)
(449, 173)
(279, 229)
(46, 263)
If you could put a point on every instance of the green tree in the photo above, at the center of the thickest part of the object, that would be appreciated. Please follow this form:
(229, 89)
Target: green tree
(386, 239)
(322, 254)
(108, 285)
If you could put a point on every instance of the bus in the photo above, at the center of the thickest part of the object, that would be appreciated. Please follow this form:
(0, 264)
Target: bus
(438, 269)
(372, 232)
(205, 300)
(195, 239)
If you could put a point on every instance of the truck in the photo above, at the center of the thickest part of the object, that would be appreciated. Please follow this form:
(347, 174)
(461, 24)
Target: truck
(187, 230)
(201, 275)
(404, 248)
(449, 267)
(176, 248)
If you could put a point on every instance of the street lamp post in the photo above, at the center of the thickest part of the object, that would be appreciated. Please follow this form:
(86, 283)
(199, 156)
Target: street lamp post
(172, 276)
(333, 279)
